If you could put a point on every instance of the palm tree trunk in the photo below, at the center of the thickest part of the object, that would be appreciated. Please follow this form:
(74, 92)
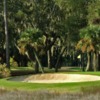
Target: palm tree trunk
(36, 68)
(98, 61)
(82, 62)
(94, 61)
(6, 34)
(89, 62)
(38, 61)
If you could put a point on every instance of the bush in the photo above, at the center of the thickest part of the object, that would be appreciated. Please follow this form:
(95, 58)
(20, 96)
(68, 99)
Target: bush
(31, 64)
(13, 63)
(4, 71)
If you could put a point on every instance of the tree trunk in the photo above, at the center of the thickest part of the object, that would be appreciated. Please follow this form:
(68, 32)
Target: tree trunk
(89, 62)
(49, 59)
(59, 56)
(36, 68)
(38, 61)
(82, 62)
(94, 61)
(6, 34)
(99, 61)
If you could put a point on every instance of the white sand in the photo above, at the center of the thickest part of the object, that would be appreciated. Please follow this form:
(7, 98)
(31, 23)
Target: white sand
(55, 78)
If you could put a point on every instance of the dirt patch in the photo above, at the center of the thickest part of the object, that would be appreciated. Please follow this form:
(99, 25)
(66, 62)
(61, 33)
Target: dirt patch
(55, 78)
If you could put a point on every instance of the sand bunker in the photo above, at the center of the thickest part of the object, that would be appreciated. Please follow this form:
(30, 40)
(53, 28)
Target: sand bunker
(55, 78)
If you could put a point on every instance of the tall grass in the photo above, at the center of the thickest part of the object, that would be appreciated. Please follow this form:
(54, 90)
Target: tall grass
(47, 95)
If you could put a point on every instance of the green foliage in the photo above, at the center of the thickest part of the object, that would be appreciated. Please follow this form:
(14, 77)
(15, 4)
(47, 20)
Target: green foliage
(92, 31)
(13, 63)
(90, 39)
(19, 15)
(40, 23)
(31, 37)
(31, 34)
(31, 64)
(94, 12)
(4, 71)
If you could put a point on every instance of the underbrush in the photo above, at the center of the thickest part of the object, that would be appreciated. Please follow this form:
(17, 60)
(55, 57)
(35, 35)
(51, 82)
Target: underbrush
(4, 71)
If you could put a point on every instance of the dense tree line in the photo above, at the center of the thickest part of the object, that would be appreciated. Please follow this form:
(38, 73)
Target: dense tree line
(52, 33)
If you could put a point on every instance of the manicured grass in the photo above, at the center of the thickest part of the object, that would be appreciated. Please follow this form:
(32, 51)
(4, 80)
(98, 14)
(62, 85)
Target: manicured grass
(57, 86)
(72, 87)
(21, 71)
(85, 73)
(21, 68)
(30, 70)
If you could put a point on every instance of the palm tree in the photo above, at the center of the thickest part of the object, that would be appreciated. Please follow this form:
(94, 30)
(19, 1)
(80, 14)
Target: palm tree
(30, 44)
(90, 44)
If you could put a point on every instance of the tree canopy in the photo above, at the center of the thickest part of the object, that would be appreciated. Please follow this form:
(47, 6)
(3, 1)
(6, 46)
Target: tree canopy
(51, 32)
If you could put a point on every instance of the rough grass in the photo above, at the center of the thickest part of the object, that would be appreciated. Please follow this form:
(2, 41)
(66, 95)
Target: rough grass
(47, 95)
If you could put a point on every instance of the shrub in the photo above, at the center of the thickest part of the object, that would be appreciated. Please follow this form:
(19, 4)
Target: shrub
(13, 63)
(4, 71)
(31, 64)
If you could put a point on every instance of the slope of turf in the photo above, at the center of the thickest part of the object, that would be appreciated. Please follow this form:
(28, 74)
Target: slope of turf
(77, 86)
